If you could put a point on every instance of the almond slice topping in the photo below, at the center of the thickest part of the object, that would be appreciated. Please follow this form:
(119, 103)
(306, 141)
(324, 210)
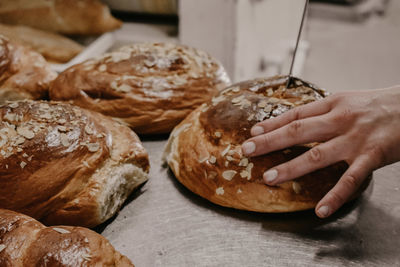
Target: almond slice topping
(61, 230)
(212, 159)
(219, 191)
(223, 153)
(228, 175)
(296, 187)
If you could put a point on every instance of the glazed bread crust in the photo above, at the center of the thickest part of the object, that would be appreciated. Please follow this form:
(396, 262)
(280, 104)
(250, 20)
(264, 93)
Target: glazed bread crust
(25, 242)
(63, 16)
(150, 87)
(24, 74)
(204, 151)
(54, 47)
(65, 165)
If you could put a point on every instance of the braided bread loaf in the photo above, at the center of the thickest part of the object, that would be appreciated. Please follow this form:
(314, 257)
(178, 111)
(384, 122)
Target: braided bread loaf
(65, 165)
(24, 74)
(64, 16)
(149, 87)
(24, 242)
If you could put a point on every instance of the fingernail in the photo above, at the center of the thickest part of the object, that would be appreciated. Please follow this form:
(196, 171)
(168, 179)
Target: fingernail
(270, 175)
(248, 148)
(257, 130)
(323, 211)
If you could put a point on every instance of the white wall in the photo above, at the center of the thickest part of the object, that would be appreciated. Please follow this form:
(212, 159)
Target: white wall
(242, 33)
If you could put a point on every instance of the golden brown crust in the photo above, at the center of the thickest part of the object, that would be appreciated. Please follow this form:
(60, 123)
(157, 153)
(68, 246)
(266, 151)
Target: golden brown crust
(58, 163)
(24, 74)
(150, 87)
(52, 46)
(26, 242)
(64, 16)
(204, 151)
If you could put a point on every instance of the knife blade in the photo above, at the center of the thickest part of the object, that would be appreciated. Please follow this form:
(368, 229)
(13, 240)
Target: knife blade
(290, 77)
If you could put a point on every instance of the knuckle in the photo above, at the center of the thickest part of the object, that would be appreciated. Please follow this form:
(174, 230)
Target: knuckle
(295, 128)
(336, 199)
(296, 113)
(314, 155)
(353, 134)
(336, 97)
(343, 115)
(265, 140)
(351, 181)
(377, 154)
(332, 100)
(286, 171)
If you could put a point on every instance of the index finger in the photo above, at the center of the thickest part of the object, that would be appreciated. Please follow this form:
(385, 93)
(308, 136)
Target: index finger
(309, 110)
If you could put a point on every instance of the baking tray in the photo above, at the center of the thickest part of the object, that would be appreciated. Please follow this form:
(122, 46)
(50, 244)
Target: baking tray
(164, 224)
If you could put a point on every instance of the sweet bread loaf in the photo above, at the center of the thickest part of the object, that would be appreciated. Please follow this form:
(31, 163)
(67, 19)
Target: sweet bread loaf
(150, 87)
(63, 16)
(24, 74)
(204, 150)
(61, 164)
(52, 46)
(25, 242)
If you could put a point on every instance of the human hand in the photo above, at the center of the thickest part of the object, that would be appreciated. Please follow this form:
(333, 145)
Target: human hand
(361, 128)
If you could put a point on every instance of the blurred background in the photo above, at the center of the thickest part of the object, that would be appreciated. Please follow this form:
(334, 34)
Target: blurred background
(346, 44)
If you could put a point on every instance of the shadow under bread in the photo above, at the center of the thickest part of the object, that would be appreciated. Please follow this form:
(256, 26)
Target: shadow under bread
(296, 222)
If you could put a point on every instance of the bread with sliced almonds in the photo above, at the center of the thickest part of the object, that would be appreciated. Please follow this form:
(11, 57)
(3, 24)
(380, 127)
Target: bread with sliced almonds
(24, 73)
(65, 165)
(25, 242)
(204, 150)
(150, 87)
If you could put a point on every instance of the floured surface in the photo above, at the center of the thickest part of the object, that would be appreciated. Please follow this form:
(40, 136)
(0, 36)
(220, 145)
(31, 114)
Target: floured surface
(167, 225)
